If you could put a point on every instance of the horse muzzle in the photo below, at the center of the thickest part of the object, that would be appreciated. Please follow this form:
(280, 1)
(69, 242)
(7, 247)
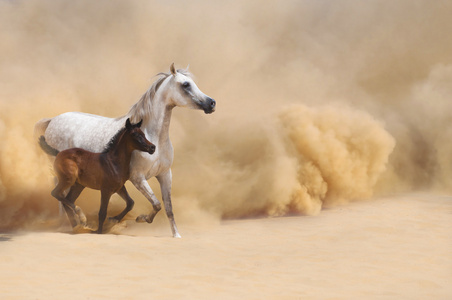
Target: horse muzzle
(151, 149)
(209, 105)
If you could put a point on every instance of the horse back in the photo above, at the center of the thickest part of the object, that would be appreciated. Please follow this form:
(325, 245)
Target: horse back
(81, 130)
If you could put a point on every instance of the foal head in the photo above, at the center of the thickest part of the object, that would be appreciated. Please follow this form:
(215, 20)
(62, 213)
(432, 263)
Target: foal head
(136, 138)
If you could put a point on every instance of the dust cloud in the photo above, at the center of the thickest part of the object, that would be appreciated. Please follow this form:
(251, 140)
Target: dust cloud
(319, 102)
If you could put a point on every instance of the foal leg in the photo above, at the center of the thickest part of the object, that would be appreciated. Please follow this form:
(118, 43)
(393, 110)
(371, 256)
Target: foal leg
(129, 203)
(66, 171)
(105, 198)
(73, 194)
(69, 207)
(143, 186)
(61, 210)
(62, 214)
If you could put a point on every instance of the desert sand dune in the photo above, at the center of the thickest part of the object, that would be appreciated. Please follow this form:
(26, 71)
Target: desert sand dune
(391, 248)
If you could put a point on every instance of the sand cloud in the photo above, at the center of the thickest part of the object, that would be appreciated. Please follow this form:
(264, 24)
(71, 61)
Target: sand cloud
(319, 103)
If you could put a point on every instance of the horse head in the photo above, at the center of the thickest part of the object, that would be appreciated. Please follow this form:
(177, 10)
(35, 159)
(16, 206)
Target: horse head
(139, 141)
(184, 92)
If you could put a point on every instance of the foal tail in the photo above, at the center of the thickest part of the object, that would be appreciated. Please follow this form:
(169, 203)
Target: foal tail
(46, 147)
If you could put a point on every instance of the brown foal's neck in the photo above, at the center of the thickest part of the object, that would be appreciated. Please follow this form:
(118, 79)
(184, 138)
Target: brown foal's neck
(121, 154)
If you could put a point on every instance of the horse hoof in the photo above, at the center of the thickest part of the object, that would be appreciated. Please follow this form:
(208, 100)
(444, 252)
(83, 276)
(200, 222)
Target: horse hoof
(144, 218)
(81, 216)
(81, 229)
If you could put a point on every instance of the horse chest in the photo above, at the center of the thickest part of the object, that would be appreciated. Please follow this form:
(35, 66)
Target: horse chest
(115, 174)
(102, 174)
(152, 165)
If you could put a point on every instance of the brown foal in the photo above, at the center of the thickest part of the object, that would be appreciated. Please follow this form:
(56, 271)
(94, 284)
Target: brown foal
(108, 171)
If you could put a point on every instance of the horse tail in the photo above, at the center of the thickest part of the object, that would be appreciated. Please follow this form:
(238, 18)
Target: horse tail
(46, 147)
(41, 127)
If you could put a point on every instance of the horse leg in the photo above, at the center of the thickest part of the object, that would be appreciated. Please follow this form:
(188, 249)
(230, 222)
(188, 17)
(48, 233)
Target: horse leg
(105, 198)
(58, 193)
(129, 203)
(66, 171)
(165, 180)
(61, 210)
(70, 212)
(143, 186)
(73, 194)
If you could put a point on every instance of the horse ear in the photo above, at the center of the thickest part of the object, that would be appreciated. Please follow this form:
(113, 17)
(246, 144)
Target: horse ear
(172, 69)
(139, 124)
(128, 125)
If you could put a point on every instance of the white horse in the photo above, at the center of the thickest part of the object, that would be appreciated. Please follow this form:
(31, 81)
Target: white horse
(92, 132)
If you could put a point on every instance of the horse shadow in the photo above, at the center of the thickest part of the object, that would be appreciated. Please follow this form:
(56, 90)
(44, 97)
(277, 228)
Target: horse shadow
(5, 238)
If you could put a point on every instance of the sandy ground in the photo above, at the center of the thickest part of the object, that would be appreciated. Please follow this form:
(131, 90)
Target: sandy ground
(391, 248)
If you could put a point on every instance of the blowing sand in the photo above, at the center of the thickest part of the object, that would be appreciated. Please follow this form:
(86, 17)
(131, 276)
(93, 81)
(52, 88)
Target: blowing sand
(320, 103)
(390, 248)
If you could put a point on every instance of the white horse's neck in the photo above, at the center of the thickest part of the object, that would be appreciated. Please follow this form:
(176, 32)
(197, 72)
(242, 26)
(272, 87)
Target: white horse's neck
(156, 124)
(157, 127)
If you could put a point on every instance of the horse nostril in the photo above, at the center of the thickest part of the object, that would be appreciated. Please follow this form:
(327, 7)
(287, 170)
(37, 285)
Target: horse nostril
(152, 148)
(208, 105)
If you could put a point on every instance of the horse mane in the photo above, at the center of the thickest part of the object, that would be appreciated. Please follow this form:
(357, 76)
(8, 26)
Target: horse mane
(114, 140)
(142, 108)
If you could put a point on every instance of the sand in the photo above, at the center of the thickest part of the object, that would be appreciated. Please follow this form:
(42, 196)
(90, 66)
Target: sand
(390, 248)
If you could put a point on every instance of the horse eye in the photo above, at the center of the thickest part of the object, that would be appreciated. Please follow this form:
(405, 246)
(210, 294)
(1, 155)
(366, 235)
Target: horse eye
(186, 84)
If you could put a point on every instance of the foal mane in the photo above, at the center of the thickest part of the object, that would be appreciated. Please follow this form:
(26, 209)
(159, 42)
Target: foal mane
(142, 108)
(114, 140)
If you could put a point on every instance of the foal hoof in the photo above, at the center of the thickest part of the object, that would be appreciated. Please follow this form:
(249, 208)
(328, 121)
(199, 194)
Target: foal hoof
(144, 218)
(82, 229)
(81, 216)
